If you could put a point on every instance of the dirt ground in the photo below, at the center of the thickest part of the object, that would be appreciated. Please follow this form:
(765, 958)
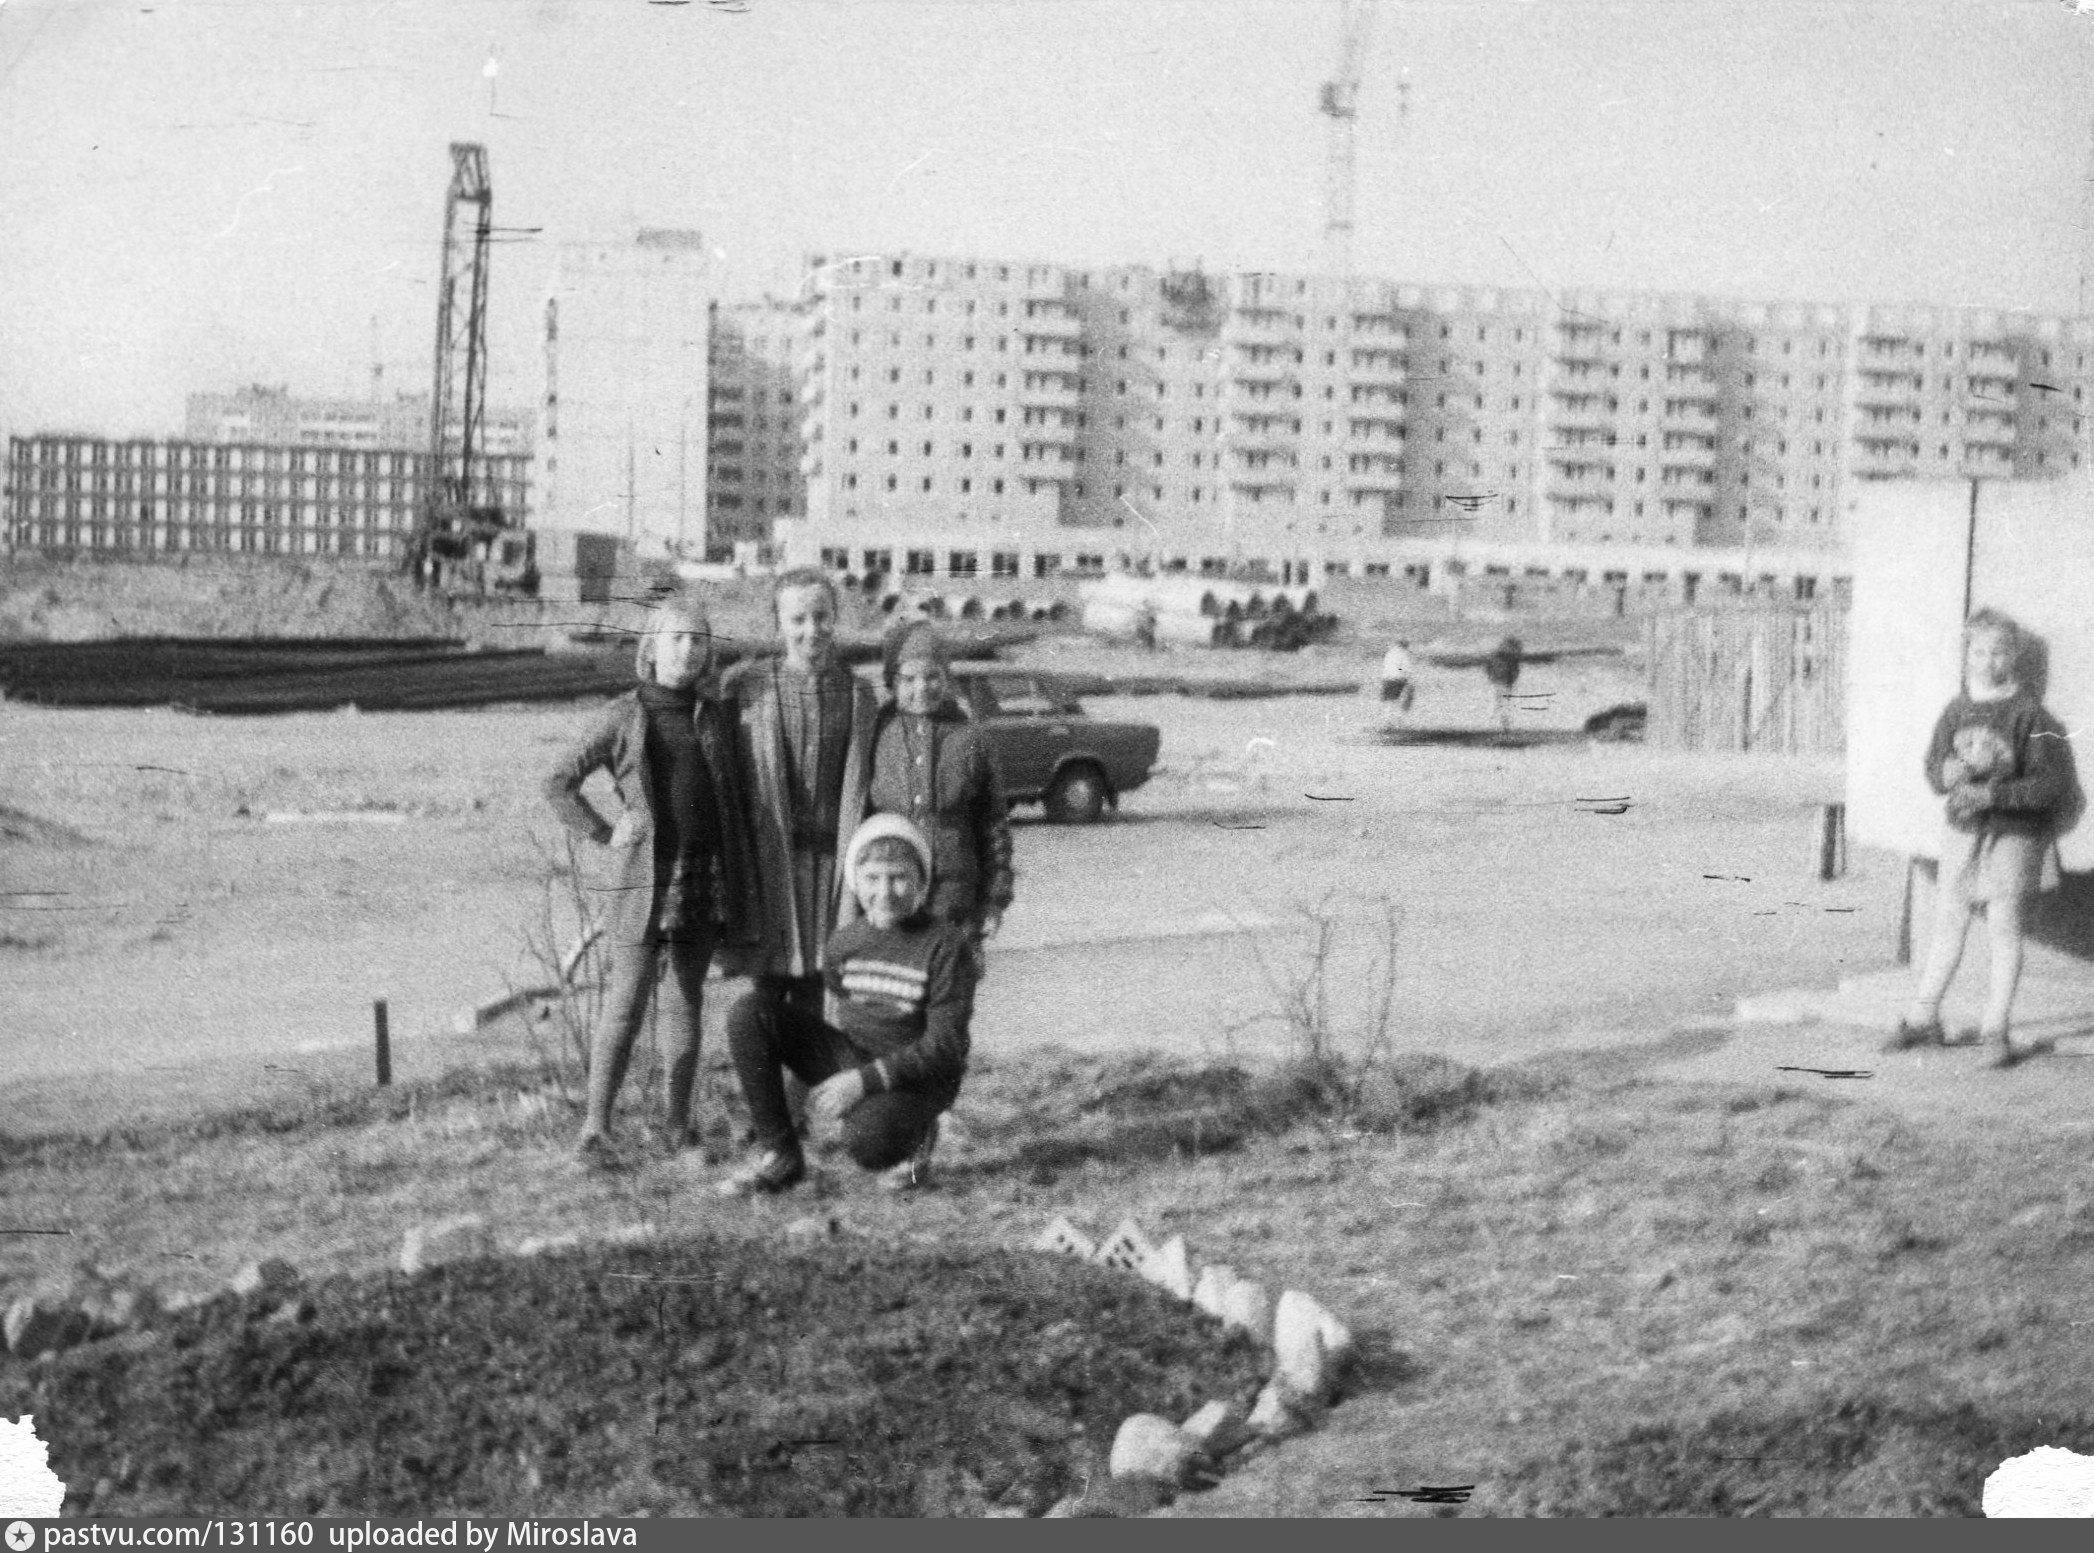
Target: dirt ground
(720, 1376)
(244, 889)
(1667, 1254)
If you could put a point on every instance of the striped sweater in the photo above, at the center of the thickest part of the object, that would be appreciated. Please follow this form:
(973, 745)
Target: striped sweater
(903, 996)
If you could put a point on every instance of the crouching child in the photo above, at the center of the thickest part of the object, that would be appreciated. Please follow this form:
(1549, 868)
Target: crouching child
(900, 987)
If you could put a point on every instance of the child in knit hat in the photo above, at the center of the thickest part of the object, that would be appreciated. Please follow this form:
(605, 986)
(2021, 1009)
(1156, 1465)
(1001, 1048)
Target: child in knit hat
(900, 985)
(931, 765)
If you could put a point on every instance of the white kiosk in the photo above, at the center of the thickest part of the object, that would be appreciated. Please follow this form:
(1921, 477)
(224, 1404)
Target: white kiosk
(1925, 554)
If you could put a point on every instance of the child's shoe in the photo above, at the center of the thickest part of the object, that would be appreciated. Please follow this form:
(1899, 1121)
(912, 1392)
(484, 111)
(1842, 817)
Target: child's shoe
(2011, 1055)
(1910, 1036)
(914, 1173)
(775, 1170)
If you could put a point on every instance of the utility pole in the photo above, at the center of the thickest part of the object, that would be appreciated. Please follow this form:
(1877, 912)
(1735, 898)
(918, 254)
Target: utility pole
(2083, 409)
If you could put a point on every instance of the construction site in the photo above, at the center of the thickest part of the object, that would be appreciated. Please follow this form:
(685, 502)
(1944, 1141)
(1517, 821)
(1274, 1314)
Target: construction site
(1449, 1080)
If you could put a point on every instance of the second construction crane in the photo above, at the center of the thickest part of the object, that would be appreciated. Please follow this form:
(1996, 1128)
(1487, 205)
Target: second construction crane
(1339, 103)
(455, 531)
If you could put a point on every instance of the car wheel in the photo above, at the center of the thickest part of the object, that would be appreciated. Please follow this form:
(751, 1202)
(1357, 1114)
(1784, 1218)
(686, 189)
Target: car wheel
(1078, 796)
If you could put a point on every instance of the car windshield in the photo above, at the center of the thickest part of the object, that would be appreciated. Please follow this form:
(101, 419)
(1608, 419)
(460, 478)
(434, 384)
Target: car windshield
(1010, 695)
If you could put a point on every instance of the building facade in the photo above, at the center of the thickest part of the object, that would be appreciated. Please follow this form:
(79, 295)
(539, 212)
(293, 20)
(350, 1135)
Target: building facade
(623, 432)
(752, 460)
(259, 414)
(142, 497)
(975, 417)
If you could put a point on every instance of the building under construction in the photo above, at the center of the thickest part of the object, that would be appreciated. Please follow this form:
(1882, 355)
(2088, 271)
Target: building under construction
(969, 416)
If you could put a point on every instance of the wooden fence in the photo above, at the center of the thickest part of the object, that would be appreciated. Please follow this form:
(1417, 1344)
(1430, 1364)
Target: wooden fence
(1774, 681)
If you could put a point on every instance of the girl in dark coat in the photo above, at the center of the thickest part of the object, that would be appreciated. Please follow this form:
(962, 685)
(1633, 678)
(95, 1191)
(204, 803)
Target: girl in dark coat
(930, 766)
(684, 883)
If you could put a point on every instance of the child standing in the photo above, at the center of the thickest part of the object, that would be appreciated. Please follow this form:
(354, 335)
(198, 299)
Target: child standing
(902, 985)
(2005, 769)
(684, 881)
(929, 765)
(1397, 668)
(804, 738)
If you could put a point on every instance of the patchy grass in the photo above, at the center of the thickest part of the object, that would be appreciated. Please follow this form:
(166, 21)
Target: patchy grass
(1583, 1296)
(1608, 1288)
(1840, 1458)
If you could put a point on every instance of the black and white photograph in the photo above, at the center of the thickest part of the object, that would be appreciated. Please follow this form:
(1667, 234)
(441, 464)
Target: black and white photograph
(1043, 758)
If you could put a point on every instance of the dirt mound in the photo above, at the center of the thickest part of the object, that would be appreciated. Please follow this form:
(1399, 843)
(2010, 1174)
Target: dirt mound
(709, 1377)
(1850, 1458)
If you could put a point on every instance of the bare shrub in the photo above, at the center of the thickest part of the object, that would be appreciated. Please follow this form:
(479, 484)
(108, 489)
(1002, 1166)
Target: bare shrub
(1340, 1060)
(564, 948)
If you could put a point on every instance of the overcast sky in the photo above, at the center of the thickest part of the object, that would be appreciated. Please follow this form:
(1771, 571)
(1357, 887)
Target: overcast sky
(200, 193)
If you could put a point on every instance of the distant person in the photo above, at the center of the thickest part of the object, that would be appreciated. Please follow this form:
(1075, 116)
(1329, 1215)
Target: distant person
(804, 739)
(1502, 669)
(2004, 766)
(1397, 667)
(684, 879)
(901, 984)
(931, 767)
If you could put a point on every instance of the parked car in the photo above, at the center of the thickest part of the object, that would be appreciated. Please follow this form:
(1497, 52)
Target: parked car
(1046, 750)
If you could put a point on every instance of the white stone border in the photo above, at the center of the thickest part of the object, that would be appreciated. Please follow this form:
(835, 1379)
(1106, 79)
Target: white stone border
(1308, 1344)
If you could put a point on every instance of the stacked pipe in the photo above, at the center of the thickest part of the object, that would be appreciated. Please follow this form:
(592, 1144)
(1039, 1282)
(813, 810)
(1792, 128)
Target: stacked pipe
(1204, 612)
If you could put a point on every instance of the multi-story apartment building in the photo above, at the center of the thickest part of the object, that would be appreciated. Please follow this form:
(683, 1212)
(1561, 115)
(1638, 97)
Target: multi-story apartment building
(142, 497)
(752, 469)
(976, 417)
(273, 415)
(623, 437)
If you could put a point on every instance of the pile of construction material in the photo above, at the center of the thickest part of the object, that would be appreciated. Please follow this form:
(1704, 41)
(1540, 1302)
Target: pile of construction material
(1182, 611)
(972, 606)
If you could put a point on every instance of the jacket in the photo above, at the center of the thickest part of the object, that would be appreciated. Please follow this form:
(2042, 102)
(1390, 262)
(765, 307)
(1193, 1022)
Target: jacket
(2034, 790)
(903, 995)
(965, 819)
(616, 741)
(759, 741)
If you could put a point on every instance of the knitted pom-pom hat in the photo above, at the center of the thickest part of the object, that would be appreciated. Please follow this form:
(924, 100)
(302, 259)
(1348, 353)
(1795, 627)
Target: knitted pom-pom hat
(885, 825)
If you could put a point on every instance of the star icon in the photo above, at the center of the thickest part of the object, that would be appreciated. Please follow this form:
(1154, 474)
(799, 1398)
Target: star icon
(21, 1536)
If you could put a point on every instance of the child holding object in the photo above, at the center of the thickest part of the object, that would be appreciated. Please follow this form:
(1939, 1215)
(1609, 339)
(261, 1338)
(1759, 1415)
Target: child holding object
(930, 766)
(901, 984)
(683, 880)
(2005, 769)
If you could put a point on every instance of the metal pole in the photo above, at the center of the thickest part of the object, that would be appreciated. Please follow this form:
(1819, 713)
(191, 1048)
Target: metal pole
(384, 1042)
(1832, 841)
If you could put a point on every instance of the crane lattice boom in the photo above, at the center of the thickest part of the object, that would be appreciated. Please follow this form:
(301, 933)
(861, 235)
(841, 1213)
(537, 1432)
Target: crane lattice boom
(453, 529)
(1339, 103)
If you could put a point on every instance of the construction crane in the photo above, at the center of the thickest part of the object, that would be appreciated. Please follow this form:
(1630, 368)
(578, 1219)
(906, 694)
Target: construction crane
(454, 531)
(1339, 102)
